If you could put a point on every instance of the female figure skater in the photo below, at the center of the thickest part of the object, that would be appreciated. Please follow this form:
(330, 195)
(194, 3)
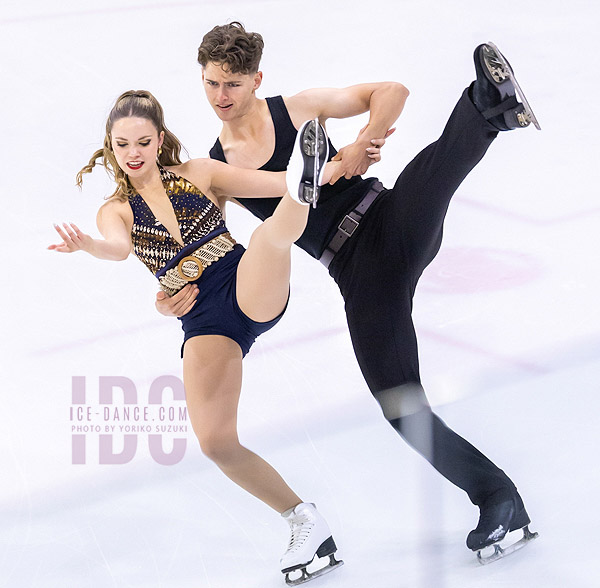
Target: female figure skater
(169, 214)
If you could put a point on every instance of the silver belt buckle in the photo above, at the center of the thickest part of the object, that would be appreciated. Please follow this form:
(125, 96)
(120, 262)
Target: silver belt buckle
(348, 226)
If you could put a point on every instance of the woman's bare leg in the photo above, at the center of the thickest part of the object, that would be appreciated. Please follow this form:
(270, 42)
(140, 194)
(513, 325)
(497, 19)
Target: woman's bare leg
(263, 275)
(212, 373)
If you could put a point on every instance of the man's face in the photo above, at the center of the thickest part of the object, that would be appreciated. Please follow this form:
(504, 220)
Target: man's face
(229, 94)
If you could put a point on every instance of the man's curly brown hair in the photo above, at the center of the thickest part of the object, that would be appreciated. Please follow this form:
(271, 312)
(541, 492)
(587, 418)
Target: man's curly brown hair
(232, 47)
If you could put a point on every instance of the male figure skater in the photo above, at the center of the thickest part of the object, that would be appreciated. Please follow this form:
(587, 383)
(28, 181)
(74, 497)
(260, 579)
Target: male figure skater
(376, 242)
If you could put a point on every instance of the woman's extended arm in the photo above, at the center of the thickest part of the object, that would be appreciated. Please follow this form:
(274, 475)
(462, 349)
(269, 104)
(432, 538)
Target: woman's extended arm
(115, 246)
(226, 181)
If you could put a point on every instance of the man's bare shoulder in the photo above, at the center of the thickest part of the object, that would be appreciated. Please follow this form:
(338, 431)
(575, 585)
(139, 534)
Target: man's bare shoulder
(305, 104)
(309, 98)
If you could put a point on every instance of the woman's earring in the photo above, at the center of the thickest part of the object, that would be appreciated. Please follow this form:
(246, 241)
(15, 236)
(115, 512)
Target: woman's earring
(159, 153)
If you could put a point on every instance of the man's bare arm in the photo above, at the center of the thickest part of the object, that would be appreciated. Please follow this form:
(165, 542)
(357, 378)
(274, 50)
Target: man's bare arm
(384, 101)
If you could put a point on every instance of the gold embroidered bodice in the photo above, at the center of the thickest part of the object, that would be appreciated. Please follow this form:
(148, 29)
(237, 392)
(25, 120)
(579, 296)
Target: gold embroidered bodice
(198, 218)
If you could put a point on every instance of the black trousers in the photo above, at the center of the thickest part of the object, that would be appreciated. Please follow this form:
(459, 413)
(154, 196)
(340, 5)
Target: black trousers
(377, 271)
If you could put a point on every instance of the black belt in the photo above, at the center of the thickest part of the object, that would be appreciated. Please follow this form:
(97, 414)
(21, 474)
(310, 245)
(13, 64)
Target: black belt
(349, 224)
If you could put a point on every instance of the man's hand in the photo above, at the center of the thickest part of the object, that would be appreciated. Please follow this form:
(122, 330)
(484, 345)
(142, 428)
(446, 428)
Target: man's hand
(178, 304)
(356, 158)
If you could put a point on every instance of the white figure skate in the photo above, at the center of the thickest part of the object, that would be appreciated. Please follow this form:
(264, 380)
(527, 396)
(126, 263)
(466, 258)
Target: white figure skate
(310, 537)
(307, 163)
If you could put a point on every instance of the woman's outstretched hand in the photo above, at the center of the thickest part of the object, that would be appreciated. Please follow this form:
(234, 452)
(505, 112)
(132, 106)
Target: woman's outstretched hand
(73, 239)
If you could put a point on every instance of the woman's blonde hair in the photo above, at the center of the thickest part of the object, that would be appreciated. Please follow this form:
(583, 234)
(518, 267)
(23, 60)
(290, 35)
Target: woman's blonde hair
(142, 104)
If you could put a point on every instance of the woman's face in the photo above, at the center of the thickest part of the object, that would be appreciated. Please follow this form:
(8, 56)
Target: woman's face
(135, 142)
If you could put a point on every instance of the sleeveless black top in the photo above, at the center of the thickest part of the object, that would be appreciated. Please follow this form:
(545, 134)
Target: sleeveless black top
(334, 202)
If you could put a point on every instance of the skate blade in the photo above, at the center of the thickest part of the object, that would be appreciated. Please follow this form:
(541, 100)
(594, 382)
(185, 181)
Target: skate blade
(500, 552)
(307, 576)
(314, 145)
(504, 69)
(314, 140)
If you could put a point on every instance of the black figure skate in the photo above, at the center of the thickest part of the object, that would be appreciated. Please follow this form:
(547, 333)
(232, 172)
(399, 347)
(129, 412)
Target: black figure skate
(307, 163)
(497, 94)
(500, 515)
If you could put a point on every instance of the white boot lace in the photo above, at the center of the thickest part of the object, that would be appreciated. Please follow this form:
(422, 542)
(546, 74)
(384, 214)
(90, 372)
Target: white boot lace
(301, 527)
